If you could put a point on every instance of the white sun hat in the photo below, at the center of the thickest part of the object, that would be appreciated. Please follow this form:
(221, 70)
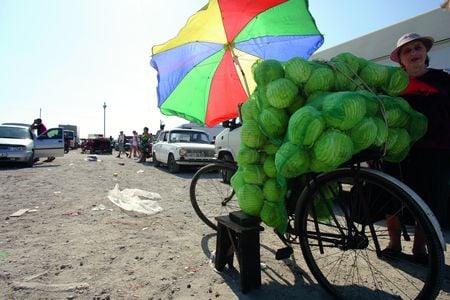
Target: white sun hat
(409, 37)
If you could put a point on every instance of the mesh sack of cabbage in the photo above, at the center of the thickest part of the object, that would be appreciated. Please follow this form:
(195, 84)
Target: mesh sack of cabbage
(259, 191)
(323, 202)
(345, 123)
(313, 116)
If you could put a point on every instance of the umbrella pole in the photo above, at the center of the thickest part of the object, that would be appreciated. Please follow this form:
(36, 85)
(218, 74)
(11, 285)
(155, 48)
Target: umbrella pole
(236, 61)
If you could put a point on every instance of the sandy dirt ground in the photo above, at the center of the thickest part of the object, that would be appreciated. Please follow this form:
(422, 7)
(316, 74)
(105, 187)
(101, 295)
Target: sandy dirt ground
(74, 243)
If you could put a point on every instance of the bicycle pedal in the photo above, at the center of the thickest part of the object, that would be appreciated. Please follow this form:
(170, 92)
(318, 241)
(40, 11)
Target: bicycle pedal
(283, 253)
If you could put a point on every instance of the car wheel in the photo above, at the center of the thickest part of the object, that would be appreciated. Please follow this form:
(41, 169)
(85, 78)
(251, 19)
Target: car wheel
(156, 163)
(172, 165)
(227, 157)
(30, 161)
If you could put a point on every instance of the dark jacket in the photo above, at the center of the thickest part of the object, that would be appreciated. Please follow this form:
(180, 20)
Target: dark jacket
(430, 95)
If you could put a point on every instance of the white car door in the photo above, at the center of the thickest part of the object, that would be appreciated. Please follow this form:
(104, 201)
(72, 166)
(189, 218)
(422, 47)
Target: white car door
(158, 147)
(50, 143)
(169, 147)
(163, 148)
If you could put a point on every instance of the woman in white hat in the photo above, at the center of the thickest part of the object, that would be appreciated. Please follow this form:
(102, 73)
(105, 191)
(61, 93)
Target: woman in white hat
(426, 169)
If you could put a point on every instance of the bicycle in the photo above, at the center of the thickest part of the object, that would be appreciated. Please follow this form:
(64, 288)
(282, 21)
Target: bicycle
(339, 220)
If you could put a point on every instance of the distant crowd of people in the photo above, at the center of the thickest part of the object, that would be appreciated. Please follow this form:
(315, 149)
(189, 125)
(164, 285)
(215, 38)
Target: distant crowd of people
(140, 145)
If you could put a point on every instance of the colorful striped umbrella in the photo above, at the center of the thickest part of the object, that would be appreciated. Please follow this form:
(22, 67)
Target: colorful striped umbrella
(205, 71)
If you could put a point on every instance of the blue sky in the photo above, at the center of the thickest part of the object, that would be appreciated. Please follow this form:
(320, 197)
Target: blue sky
(65, 58)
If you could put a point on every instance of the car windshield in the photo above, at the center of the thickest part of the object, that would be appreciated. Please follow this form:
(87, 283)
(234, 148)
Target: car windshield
(188, 137)
(14, 133)
(68, 134)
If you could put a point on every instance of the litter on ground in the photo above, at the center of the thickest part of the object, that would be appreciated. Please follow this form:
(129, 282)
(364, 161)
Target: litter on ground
(135, 202)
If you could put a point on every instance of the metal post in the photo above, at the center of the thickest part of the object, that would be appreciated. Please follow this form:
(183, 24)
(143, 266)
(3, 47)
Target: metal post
(104, 119)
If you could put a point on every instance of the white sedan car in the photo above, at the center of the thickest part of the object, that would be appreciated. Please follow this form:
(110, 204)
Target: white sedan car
(19, 144)
(182, 147)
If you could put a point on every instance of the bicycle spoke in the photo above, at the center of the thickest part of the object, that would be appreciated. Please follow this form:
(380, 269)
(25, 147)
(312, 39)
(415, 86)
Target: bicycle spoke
(210, 195)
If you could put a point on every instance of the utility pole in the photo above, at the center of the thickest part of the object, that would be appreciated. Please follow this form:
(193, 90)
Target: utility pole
(104, 119)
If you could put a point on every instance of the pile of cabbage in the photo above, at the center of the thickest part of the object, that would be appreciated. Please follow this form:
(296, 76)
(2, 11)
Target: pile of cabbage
(313, 116)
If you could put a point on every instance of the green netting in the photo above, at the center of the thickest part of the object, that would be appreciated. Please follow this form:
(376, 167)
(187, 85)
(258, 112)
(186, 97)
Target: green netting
(269, 166)
(305, 126)
(417, 125)
(254, 174)
(375, 75)
(273, 122)
(247, 155)
(298, 103)
(281, 92)
(265, 71)
(333, 148)
(321, 79)
(292, 160)
(343, 110)
(250, 199)
(364, 134)
(251, 135)
(397, 82)
(273, 191)
(250, 110)
(325, 127)
(298, 70)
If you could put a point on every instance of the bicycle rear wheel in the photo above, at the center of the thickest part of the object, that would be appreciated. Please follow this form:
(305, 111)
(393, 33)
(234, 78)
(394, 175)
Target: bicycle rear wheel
(341, 221)
(211, 193)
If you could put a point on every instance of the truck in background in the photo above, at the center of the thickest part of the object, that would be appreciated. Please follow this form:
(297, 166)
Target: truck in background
(69, 138)
(76, 136)
(96, 143)
(227, 142)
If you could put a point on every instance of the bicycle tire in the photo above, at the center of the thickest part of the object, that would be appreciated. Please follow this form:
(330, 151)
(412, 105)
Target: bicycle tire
(350, 230)
(211, 194)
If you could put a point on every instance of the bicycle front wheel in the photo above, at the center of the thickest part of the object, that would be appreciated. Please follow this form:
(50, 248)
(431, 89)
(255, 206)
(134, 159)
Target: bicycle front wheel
(211, 193)
(342, 220)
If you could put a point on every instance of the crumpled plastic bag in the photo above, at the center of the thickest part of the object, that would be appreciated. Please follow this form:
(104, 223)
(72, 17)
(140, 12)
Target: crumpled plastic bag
(135, 202)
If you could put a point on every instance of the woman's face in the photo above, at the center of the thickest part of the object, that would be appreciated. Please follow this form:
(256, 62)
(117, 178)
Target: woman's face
(413, 55)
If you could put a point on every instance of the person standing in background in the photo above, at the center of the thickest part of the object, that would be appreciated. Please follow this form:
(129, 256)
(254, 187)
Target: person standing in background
(144, 140)
(135, 145)
(121, 141)
(41, 128)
